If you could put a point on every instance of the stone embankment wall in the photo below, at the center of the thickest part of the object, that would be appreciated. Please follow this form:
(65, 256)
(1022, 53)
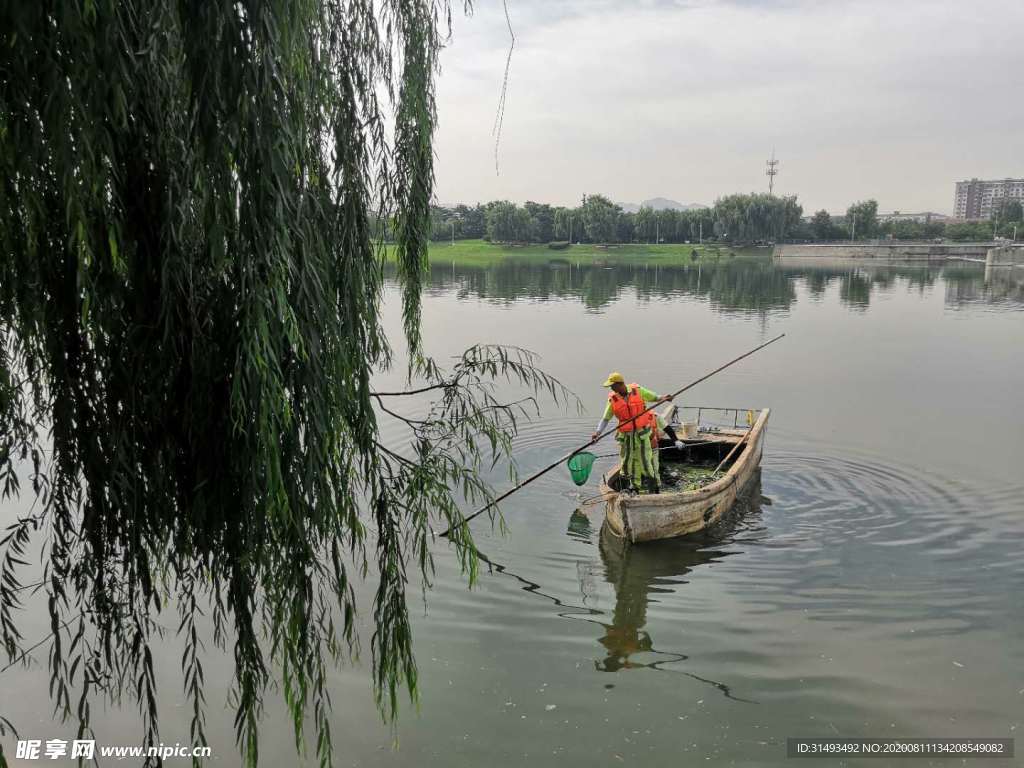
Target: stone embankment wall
(1005, 255)
(885, 251)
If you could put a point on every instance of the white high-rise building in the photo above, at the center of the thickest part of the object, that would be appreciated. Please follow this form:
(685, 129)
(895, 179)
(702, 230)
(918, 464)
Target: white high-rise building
(978, 198)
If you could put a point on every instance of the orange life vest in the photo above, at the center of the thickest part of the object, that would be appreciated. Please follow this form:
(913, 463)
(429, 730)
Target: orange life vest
(625, 408)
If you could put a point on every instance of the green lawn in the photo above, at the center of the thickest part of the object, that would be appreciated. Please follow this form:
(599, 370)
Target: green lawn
(480, 253)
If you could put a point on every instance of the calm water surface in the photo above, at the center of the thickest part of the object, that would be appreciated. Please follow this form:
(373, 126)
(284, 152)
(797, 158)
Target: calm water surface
(872, 586)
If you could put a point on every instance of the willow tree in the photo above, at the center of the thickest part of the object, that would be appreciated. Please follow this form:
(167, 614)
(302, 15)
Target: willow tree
(189, 328)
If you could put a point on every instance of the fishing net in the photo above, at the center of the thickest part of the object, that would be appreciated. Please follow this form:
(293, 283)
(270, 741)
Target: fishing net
(580, 465)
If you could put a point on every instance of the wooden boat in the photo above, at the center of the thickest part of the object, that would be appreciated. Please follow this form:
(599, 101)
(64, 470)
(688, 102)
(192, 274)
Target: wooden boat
(647, 517)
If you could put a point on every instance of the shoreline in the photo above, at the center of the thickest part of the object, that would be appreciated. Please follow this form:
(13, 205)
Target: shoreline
(480, 252)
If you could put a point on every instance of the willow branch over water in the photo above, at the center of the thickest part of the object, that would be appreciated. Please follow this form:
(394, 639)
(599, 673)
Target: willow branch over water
(190, 291)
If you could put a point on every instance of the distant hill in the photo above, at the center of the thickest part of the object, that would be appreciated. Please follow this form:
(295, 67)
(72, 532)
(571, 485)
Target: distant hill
(660, 204)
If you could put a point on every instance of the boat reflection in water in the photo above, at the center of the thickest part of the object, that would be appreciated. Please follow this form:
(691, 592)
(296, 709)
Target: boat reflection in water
(639, 574)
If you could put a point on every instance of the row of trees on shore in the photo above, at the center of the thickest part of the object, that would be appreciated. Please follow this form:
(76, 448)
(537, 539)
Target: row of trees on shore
(738, 219)
(862, 222)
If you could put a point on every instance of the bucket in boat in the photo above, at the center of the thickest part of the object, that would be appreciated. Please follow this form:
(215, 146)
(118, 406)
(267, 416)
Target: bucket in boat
(690, 430)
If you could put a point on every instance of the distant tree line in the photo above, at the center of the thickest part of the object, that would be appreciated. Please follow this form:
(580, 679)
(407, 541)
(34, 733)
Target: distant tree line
(737, 219)
(734, 218)
(862, 222)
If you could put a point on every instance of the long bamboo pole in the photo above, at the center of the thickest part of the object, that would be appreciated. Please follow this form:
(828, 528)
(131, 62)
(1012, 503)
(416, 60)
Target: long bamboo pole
(730, 453)
(604, 434)
(666, 448)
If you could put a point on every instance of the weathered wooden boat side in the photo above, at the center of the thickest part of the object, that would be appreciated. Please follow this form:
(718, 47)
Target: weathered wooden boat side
(639, 518)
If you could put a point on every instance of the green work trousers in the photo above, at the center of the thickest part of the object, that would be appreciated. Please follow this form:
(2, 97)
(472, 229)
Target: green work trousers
(638, 459)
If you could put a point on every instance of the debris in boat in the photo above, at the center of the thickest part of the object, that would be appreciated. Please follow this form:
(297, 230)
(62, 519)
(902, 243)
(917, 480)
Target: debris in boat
(686, 477)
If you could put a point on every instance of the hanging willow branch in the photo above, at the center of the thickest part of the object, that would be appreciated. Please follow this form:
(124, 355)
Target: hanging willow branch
(189, 325)
(463, 430)
(499, 117)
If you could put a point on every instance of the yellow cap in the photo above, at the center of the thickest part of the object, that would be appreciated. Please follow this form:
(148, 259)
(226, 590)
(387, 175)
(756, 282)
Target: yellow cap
(613, 378)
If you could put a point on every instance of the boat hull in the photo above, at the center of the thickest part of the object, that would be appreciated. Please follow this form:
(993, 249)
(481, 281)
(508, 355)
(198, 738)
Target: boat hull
(639, 518)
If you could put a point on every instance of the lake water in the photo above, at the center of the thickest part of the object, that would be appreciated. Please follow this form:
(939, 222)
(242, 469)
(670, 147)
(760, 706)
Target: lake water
(872, 586)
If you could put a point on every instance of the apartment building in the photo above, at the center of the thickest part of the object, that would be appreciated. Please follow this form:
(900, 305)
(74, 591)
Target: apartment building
(978, 198)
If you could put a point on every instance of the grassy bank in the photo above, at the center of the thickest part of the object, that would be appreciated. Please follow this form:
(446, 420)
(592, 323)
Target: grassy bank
(480, 253)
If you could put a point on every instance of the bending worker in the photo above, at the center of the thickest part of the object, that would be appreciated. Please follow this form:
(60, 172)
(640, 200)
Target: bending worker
(637, 438)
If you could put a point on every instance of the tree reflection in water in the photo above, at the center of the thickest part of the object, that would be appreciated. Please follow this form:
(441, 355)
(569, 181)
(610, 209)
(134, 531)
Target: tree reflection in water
(745, 286)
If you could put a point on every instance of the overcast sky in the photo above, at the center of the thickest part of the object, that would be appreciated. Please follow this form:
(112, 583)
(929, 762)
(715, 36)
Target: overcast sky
(685, 99)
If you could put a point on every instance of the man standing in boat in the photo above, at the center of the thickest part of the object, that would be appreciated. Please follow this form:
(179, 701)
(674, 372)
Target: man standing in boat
(637, 437)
